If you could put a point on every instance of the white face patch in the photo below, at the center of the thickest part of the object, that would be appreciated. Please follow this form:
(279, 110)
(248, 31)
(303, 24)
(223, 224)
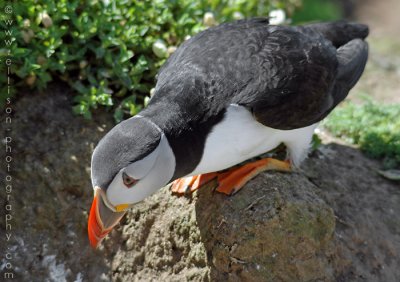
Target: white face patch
(141, 168)
(152, 172)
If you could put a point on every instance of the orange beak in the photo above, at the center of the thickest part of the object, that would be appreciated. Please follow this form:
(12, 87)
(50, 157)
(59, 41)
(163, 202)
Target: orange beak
(101, 220)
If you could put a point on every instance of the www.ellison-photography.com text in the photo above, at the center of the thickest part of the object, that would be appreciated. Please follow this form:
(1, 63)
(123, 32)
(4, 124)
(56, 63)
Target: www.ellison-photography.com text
(7, 267)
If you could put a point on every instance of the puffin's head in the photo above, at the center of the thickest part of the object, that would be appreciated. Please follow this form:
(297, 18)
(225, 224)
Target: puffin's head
(131, 162)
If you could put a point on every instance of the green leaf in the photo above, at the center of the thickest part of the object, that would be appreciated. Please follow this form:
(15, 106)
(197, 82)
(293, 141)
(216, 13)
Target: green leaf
(392, 174)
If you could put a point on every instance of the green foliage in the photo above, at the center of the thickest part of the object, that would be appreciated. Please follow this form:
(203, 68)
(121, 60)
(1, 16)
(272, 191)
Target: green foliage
(105, 49)
(374, 127)
(317, 10)
(316, 142)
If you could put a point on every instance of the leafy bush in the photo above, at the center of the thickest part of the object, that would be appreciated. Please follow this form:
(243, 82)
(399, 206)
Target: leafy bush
(110, 51)
(318, 10)
(374, 127)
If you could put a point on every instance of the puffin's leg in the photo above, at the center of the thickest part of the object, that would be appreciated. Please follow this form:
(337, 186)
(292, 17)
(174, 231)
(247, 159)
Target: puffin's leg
(233, 180)
(191, 183)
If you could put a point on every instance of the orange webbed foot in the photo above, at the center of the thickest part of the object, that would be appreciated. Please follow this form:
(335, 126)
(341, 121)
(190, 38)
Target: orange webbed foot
(190, 184)
(233, 180)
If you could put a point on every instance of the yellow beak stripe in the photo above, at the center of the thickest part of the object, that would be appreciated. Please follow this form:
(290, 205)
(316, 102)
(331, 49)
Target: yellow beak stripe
(121, 207)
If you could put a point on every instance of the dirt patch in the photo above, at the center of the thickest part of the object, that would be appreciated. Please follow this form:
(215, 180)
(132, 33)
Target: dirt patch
(381, 15)
(382, 74)
(51, 188)
(335, 220)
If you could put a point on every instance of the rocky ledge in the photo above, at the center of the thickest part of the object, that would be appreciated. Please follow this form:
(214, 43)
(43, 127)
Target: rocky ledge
(335, 219)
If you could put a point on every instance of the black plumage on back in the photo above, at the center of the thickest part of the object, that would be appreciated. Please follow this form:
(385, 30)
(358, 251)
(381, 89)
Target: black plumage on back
(288, 77)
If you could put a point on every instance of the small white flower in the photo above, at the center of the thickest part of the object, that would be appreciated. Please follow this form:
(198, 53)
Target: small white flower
(277, 17)
(152, 91)
(146, 101)
(209, 19)
(27, 23)
(159, 48)
(46, 19)
(238, 16)
(171, 49)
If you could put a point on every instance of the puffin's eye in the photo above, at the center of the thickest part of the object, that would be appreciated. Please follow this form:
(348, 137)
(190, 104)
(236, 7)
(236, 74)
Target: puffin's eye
(128, 181)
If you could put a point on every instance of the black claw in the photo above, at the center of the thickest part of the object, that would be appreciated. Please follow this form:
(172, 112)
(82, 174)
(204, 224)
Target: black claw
(187, 190)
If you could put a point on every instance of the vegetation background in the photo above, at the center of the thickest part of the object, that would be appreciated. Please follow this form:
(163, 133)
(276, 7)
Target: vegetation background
(110, 51)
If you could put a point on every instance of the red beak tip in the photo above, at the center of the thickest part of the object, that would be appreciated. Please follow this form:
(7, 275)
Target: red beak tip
(96, 231)
(93, 226)
(93, 242)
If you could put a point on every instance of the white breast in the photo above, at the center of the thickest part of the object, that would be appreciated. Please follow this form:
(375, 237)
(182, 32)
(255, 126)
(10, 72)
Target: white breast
(239, 137)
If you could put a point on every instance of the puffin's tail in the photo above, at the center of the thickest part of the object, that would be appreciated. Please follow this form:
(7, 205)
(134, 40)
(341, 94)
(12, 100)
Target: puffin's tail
(351, 53)
(352, 58)
(340, 32)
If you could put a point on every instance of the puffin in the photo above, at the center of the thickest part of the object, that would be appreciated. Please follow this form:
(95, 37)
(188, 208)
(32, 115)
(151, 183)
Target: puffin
(226, 95)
